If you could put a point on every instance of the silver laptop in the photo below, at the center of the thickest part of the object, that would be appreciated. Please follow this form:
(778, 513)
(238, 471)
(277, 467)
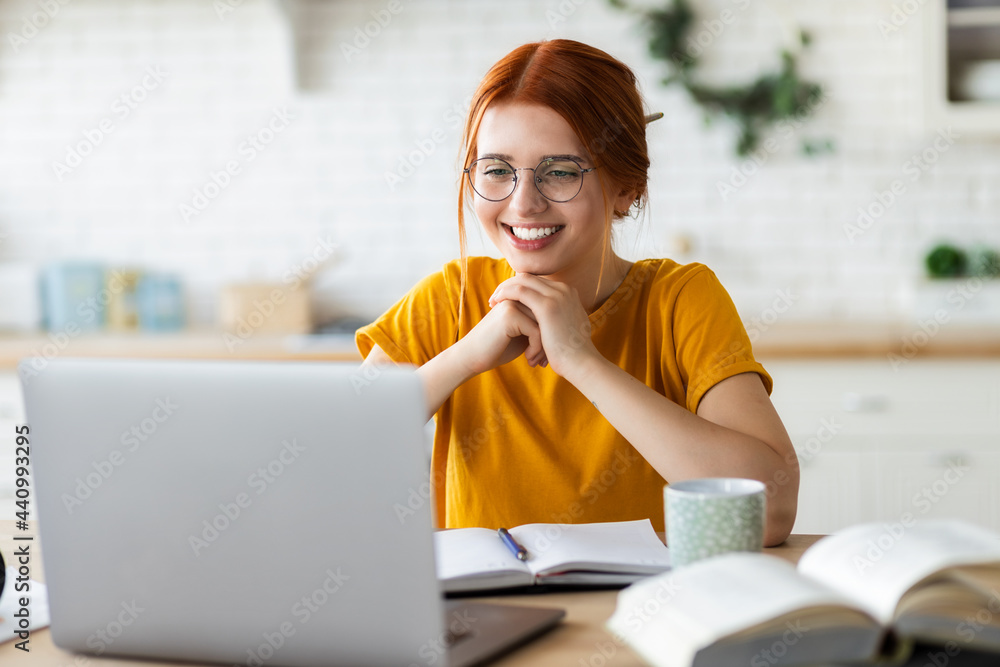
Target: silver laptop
(251, 513)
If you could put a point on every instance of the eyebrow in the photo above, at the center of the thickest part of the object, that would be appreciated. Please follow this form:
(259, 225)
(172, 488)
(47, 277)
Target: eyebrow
(510, 158)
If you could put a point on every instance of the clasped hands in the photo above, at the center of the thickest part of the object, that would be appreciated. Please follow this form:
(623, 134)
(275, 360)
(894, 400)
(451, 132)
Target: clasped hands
(540, 318)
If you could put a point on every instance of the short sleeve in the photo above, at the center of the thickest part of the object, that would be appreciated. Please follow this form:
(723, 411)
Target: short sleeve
(420, 325)
(710, 341)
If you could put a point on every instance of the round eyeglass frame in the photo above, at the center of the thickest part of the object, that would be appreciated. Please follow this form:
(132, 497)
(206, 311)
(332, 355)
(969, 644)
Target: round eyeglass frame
(535, 179)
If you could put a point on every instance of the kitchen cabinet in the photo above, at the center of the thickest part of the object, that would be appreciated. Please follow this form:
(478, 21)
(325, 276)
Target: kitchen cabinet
(962, 65)
(878, 441)
(835, 489)
(952, 479)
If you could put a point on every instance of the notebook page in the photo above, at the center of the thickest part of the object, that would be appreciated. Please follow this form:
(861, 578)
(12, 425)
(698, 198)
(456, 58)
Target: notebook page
(476, 552)
(617, 546)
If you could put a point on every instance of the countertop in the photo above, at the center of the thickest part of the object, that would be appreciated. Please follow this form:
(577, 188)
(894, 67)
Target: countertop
(787, 339)
(200, 344)
(846, 338)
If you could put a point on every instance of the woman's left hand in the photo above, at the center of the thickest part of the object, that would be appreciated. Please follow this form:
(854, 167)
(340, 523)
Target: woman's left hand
(562, 320)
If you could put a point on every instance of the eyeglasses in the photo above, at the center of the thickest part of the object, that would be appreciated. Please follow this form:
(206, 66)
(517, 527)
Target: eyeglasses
(557, 179)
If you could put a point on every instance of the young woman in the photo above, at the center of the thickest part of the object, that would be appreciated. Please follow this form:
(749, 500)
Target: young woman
(568, 384)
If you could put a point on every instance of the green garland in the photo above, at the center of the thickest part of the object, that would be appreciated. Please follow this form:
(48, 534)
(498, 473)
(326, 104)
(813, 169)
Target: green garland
(755, 107)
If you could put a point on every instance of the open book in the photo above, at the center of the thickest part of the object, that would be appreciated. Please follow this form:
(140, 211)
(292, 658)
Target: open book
(582, 554)
(866, 592)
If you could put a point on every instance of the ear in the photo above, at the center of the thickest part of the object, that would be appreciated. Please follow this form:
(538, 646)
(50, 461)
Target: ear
(624, 200)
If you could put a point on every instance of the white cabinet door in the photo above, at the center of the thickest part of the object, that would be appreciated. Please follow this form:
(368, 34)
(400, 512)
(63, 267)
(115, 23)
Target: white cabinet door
(939, 480)
(876, 440)
(872, 397)
(834, 490)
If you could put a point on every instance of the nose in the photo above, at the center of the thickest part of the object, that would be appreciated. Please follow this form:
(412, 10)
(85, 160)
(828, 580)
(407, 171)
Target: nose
(526, 199)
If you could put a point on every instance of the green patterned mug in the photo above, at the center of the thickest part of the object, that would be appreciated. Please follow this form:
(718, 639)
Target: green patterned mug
(712, 516)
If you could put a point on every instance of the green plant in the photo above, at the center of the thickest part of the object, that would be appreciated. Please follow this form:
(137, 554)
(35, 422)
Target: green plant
(946, 261)
(984, 262)
(754, 107)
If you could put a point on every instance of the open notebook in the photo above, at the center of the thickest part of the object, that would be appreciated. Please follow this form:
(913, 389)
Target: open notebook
(585, 554)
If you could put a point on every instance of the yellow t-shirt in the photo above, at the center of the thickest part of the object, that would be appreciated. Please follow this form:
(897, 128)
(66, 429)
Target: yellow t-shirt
(521, 445)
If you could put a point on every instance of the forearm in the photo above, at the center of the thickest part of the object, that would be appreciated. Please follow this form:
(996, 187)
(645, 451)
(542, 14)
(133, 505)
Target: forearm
(441, 376)
(681, 445)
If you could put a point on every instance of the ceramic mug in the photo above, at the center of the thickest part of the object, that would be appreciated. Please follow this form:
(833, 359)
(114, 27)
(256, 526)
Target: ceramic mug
(712, 516)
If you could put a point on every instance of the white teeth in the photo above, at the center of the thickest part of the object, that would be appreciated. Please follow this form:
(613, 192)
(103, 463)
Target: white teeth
(532, 233)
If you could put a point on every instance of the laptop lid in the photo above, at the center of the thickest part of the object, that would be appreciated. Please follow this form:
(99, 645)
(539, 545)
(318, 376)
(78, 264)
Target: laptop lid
(239, 512)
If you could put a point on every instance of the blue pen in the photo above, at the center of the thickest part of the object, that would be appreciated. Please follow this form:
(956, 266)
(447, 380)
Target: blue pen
(515, 548)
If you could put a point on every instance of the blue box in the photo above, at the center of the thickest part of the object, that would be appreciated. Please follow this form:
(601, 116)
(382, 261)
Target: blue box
(160, 302)
(73, 295)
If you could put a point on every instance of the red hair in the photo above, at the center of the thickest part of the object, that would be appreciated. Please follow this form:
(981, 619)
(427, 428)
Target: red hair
(594, 92)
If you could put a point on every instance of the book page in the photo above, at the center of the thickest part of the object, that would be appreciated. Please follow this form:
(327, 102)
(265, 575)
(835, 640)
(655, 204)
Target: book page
(948, 610)
(478, 557)
(875, 564)
(668, 618)
(617, 546)
(983, 578)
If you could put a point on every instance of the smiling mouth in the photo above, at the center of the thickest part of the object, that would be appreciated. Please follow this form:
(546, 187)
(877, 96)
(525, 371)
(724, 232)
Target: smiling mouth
(533, 233)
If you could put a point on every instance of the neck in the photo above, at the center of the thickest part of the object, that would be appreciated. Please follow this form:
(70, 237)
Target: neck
(585, 280)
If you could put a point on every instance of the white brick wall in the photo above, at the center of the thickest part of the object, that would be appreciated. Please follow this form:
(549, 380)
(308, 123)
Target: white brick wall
(357, 117)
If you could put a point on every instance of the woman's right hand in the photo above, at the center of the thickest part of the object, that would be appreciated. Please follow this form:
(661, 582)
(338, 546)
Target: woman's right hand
(506, 332)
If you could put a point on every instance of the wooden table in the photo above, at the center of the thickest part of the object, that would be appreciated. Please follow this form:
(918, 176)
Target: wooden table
(580, 640)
